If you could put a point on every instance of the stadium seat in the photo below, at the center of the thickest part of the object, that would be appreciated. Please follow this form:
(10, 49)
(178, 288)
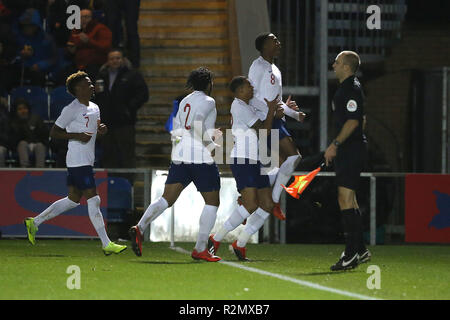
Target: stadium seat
(59, 98)
(36, 97)
(120, 199)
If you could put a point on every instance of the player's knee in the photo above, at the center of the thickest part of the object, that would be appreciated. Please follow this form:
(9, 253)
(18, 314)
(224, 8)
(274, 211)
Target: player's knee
(213, 202)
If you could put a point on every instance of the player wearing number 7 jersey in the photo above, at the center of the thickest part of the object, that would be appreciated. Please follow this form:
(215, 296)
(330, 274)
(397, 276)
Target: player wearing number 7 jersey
(191, 162)
(79, 123)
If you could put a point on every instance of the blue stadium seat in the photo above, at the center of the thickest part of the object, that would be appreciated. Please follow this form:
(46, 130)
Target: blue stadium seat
(59, 98)
(36, 97)
(120, 199)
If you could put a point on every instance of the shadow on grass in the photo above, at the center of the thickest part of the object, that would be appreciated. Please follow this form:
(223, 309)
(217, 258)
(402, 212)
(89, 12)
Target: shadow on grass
(162, 262)
(324, 273)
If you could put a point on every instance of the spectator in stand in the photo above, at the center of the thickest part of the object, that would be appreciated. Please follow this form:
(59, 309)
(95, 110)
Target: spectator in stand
(90, 45)
(29, 134)
(129, 10)
(4, 131)
(36, 52)
(120, 92)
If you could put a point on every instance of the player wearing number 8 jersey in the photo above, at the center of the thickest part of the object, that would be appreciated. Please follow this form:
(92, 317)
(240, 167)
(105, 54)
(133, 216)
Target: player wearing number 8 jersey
(194, 136)
(79, 123)
(266, 79)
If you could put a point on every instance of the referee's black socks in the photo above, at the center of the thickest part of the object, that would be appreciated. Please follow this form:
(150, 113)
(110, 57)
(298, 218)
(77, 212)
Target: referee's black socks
(352, 223)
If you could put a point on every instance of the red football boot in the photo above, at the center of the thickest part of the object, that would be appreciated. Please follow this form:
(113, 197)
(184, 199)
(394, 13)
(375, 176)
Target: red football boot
(204, 255)
(213, 245)
(278, 213)
(136, 240)
(239, 252)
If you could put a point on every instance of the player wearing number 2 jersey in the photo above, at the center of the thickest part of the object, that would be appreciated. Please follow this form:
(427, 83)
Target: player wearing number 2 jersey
(79, 123)
(191, 162)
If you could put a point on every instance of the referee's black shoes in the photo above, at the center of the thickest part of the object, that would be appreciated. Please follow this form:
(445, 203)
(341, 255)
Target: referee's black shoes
(364, 256)
(345, 262)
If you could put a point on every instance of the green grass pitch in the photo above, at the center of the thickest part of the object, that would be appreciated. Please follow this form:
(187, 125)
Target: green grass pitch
(40, 272)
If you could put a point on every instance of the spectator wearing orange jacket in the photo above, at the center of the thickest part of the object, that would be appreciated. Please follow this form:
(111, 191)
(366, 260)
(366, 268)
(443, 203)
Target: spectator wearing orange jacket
(91, 44)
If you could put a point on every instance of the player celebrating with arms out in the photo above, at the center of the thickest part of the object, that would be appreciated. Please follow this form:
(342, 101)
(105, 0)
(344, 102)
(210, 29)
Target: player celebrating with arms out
(191, 162)
(79, 123)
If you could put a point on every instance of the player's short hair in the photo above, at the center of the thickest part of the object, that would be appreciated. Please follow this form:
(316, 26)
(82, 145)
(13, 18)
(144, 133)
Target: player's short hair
(236, 83)
(351, 59)
(73, 80)
(199, 79)
(260, 39)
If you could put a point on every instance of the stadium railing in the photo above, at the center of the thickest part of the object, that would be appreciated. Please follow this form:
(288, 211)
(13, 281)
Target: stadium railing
(372, 176)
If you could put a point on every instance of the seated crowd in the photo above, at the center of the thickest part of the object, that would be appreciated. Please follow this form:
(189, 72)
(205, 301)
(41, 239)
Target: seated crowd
(37, 53)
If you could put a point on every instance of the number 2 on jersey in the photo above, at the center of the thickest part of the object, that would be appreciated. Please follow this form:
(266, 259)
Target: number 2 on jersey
(187, 106)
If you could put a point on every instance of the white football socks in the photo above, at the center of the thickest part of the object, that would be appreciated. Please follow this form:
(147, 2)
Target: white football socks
(284, 174)
(237, 216)
(97, 219)
(153, 211)
(55, 209)
(207, 220)
(254, 223)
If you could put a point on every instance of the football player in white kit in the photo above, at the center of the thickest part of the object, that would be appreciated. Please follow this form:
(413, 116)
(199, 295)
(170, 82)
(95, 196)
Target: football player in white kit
(266, 79)
(79, 123)
(252, 184)
(194, 134)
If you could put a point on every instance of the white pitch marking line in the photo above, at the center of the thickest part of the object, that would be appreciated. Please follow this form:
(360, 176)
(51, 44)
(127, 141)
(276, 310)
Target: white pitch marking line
(286, 278)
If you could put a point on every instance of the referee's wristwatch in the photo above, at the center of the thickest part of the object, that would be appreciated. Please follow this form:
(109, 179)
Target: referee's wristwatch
(336, 143)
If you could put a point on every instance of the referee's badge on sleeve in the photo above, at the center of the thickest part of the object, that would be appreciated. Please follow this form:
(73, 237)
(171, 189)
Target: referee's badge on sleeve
(352, 105)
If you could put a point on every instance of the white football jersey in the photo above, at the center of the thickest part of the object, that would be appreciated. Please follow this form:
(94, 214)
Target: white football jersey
(266, 80)
(194, 124)
(243, 117)
(77, 118)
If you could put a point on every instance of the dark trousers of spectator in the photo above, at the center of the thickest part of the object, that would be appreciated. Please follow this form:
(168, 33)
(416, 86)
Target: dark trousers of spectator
(114, 9)
(118, 146)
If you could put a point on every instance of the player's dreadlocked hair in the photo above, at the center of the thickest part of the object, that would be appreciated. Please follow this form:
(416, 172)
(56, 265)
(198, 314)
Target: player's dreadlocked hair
(73, 80)
(199, 79)
(259, 41)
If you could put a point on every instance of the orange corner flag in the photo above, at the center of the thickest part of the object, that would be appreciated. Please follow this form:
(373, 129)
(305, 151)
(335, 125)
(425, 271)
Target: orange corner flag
(300, 183)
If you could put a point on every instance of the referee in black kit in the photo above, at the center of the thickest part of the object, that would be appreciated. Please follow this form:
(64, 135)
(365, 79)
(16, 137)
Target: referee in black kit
(348, 150)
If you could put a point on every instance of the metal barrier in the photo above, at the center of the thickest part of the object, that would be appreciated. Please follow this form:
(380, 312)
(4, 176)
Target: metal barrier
(148, 175)
(372, 176)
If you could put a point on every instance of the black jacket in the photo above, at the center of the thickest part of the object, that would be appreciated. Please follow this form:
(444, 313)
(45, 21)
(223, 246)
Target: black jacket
(32, 129)
(129, 92)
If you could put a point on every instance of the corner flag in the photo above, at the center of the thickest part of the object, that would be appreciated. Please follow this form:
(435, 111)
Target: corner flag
(301, 182)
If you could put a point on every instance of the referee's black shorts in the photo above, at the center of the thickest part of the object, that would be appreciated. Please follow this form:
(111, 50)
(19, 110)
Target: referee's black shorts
(349, 163)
